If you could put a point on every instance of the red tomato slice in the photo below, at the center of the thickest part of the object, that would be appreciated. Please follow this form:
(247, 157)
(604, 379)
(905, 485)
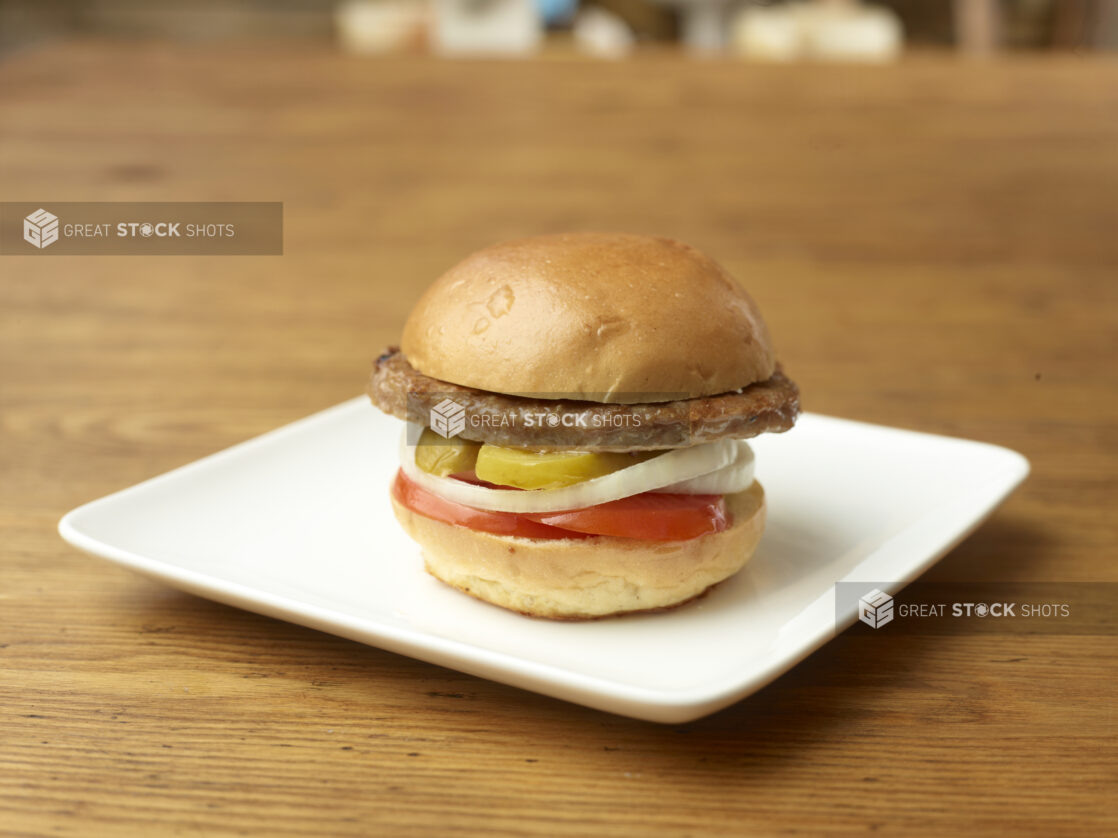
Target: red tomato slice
(650, 516)
(410, 494)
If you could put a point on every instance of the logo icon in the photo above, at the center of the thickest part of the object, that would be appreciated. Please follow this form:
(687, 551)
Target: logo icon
(40, 228)
(875, 609)
(448, 418)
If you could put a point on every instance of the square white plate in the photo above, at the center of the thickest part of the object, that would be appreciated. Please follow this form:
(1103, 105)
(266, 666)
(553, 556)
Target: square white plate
(296, 524)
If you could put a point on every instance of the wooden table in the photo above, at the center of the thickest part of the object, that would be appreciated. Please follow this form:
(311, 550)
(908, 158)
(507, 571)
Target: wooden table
(935, 246)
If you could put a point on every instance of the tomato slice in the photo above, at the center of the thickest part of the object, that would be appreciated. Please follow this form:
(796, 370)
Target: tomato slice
(413, 496)
(650, 516)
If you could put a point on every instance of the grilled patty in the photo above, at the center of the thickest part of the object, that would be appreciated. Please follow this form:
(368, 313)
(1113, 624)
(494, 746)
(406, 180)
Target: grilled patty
(399, 389)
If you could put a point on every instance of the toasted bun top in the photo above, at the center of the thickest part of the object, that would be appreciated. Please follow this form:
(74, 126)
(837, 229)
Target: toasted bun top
(606, 317)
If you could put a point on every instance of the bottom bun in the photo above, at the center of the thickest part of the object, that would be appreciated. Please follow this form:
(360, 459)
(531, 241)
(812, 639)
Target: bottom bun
(587, 578)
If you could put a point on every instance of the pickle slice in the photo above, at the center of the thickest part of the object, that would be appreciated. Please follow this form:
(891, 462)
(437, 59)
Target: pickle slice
(442, 457)
(527, 468)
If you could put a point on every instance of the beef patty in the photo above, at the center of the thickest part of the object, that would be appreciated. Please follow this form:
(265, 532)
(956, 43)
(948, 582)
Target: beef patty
(399, 389)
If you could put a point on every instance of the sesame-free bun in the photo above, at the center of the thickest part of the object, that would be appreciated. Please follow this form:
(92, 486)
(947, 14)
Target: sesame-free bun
(575, 579)
(605, 317)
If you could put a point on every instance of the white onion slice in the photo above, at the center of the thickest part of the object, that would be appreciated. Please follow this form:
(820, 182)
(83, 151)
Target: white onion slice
(669, 468)
(735, 477)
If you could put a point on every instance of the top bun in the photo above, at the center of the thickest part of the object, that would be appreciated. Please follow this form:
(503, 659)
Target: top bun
(604, 317)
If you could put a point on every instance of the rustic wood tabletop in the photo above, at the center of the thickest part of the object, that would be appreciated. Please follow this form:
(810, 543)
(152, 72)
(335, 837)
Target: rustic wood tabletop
(934, 245)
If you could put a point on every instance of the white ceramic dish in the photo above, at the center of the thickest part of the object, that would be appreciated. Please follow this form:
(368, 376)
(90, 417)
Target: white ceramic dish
(296, 524)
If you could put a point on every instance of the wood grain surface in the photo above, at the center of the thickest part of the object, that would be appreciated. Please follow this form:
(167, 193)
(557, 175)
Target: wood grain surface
(935, 246)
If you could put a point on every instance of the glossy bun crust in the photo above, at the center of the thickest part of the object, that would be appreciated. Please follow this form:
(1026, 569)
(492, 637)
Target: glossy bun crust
(605, 317)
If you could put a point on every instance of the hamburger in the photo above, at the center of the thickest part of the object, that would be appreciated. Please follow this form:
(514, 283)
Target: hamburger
(577, 412)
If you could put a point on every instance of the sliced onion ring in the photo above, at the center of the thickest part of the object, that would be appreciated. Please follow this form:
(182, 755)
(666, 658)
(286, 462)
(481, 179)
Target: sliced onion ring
(735, 477)
(668, 468)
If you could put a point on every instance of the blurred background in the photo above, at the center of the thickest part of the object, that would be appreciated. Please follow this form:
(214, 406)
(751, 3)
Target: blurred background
(806, 30)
